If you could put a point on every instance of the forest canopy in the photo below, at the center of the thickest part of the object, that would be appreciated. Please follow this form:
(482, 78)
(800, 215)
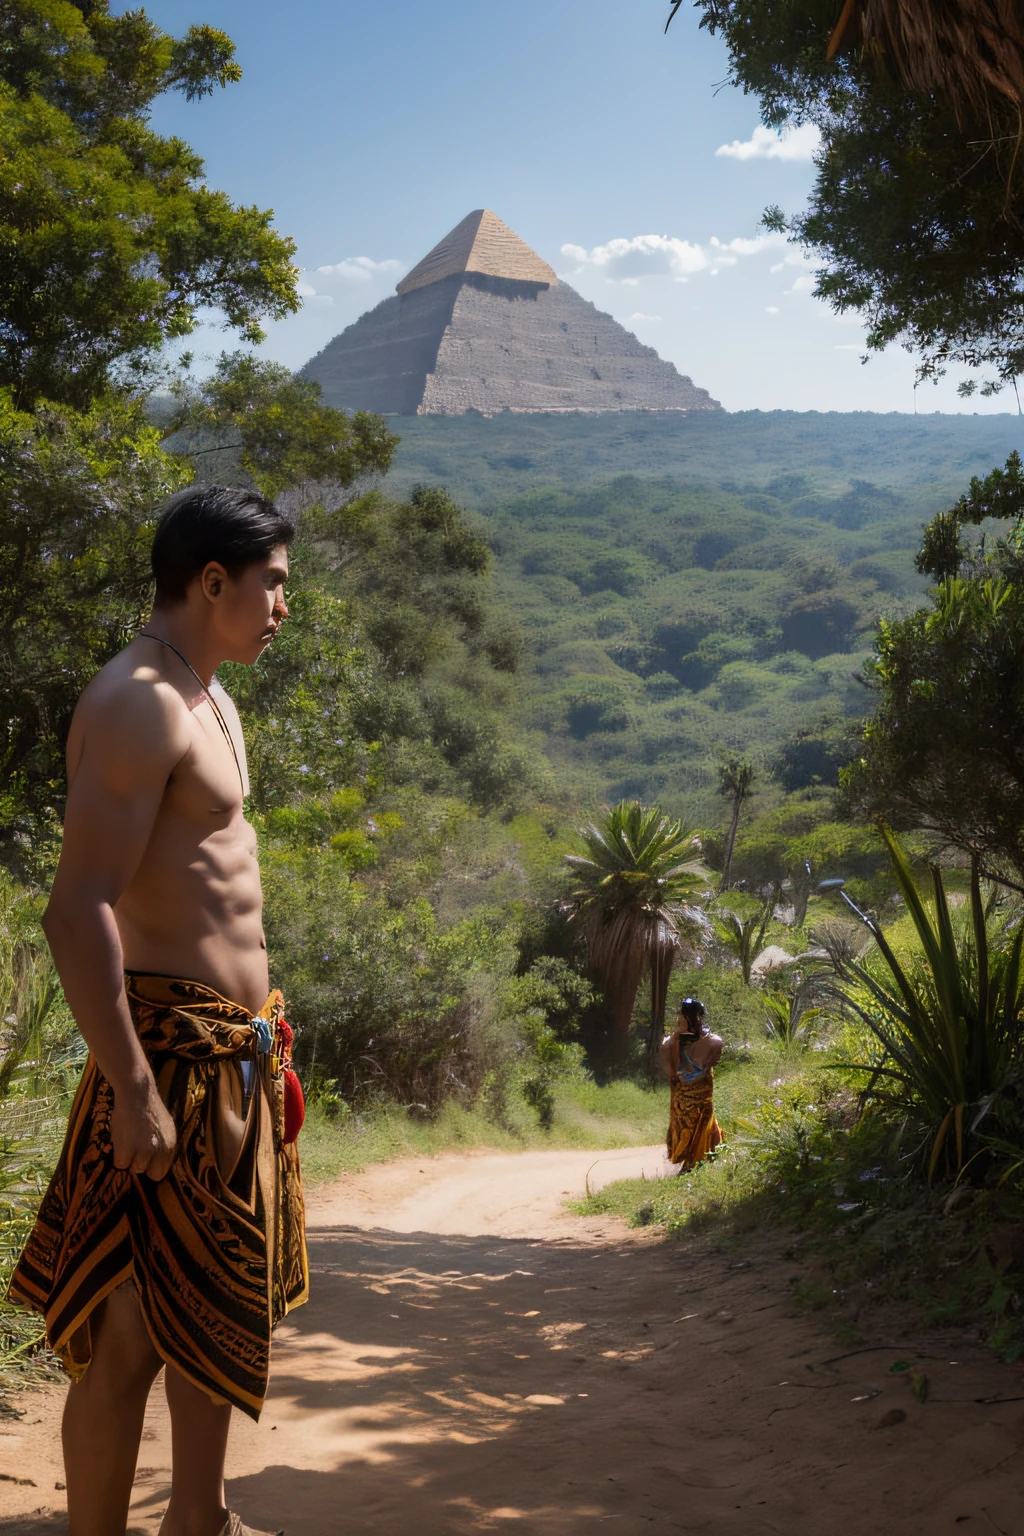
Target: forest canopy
(111, 239)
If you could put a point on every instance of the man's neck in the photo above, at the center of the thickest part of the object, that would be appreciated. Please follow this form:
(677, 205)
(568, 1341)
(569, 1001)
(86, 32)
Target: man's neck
(178, 627)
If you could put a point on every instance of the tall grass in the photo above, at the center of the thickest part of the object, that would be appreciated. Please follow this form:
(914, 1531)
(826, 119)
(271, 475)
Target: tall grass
(40, 1053)
(585, 1114)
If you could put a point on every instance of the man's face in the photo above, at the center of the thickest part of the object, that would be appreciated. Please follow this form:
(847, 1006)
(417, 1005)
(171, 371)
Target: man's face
(249, 607)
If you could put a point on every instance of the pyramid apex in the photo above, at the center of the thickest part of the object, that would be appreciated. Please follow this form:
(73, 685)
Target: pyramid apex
(480, 243)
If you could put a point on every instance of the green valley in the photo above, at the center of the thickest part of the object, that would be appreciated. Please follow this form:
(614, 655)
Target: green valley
(695, 588)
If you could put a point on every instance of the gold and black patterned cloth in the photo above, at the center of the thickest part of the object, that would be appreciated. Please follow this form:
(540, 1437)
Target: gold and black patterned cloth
(217, 1248)
(693, 1131)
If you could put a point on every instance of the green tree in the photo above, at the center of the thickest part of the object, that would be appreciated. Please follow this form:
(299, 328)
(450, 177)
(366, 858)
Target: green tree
(915, 208)
(111, 245)
(384, 669)
(77, 493)
(111, 240)
(278, 428)
(943, 752)
(636, 900)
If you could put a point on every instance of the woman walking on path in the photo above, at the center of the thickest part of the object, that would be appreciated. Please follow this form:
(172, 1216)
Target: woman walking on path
(688, 1056)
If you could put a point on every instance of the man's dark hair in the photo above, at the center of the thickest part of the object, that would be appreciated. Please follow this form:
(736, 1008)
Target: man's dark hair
(226, 523)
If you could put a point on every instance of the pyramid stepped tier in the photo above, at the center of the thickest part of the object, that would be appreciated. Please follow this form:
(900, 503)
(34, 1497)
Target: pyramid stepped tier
(482, 324)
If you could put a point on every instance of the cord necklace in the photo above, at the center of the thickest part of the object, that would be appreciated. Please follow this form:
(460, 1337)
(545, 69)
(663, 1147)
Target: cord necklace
(209, 698)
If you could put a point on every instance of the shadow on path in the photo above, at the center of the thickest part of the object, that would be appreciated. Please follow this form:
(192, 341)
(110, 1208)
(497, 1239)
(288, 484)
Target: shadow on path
(457, 1385)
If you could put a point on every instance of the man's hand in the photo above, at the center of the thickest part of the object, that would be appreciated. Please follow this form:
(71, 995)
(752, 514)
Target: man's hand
(143, 1133)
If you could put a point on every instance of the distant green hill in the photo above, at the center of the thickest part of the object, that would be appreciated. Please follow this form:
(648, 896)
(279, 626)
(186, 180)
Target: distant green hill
(695, 587)
(486, 460)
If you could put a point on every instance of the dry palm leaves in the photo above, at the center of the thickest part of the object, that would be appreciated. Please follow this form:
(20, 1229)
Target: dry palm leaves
(971, 51)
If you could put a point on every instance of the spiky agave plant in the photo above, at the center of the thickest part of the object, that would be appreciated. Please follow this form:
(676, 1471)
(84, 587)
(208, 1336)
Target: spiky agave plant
(637, 900)
(789, 1013)
(745, 936)
(951, 1023)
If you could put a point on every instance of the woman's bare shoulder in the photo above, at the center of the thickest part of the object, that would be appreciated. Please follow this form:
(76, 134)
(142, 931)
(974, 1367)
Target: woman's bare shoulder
(707, 1049)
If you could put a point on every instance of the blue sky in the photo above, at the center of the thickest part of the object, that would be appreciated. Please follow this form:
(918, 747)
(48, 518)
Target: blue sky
(372, 129)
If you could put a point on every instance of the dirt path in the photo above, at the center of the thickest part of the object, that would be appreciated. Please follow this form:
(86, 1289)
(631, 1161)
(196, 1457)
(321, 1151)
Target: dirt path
(474, 1357)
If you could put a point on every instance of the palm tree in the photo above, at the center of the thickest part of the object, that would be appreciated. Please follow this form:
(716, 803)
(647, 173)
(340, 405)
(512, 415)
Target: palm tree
(637, 903)
(736, 783)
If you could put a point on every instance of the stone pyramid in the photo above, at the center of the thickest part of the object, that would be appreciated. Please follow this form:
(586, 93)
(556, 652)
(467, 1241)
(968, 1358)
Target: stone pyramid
(480, 244)
(483, 324)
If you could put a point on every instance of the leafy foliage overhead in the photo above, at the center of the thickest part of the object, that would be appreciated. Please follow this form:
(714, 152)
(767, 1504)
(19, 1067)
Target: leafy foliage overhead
(915, 211)
(110, 239)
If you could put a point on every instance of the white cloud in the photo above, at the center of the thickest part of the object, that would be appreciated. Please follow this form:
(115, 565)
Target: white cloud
(627, 261)
(641, 316)
(358, 269)
(309, 294)
(765, 144)
(346, 276)
(642, 256)
(803, 284)
(771, 309)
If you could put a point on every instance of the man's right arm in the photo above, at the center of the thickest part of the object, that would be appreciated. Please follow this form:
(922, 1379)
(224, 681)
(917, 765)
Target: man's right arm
(132, 739)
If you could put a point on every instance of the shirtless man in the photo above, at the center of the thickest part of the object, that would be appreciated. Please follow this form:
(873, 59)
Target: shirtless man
(155, 926)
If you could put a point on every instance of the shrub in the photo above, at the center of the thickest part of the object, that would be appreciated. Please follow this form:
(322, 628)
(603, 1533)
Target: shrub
(950, 1021)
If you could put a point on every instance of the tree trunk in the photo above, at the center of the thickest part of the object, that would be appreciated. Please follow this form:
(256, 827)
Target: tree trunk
(662, 962)
(801, 897)
(619, 1001)
(730, 839)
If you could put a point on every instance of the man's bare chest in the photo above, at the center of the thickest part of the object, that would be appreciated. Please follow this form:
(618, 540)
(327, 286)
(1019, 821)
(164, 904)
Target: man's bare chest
(205, 787)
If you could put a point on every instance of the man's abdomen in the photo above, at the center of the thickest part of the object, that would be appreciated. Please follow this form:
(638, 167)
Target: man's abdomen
(196, 912)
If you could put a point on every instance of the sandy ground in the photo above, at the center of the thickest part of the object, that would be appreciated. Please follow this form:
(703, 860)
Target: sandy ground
(476, 1359)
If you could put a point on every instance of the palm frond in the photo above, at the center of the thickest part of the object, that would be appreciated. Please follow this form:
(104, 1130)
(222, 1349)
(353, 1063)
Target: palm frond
(636, 898)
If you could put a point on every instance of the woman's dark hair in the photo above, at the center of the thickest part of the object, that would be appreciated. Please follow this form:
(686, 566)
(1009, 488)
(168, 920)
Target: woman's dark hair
(692, 1010)
(226, 523)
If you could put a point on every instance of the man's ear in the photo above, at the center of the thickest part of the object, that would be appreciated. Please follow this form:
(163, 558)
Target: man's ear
(212, 580)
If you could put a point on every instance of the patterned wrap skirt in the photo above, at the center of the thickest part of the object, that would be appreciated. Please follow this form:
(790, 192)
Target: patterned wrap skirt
(216, 1249)
(693, 1131)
